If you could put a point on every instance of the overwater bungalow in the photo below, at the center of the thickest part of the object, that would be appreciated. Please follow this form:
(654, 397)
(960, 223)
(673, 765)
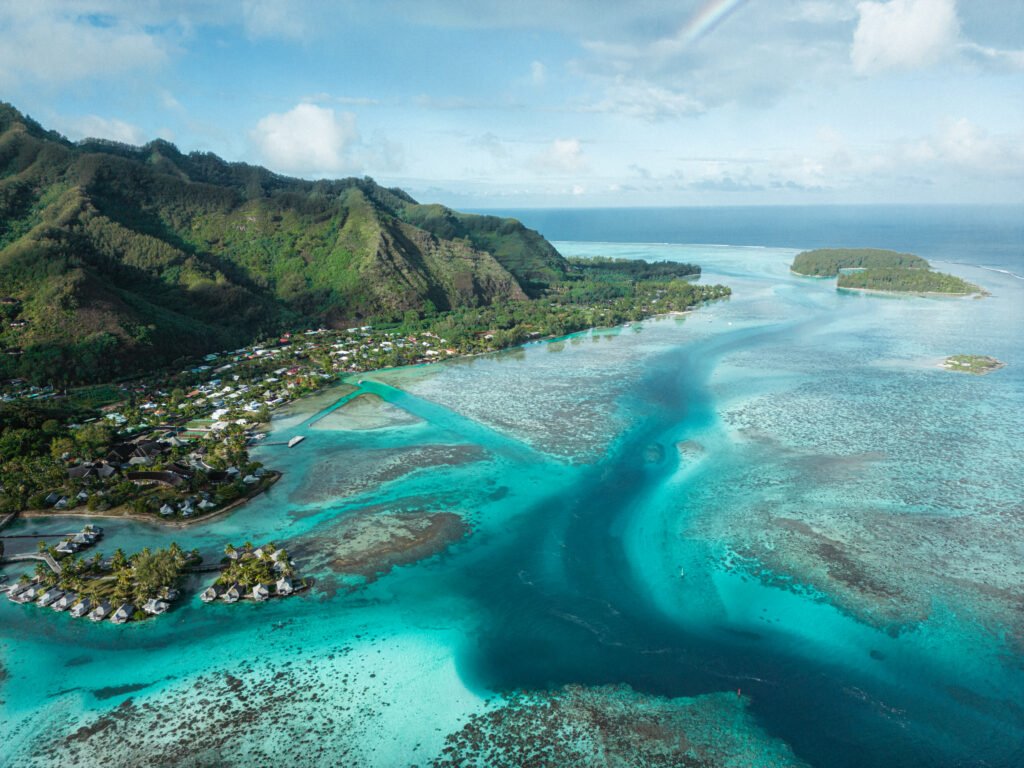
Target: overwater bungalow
(284, 586)
(16, 589)
(67, 548)
(79, 609)
(123, 614)
(65, 601)
(100, 612)
(30, 593)
(50, 596)
(260, 592)
(155, 607)
(210, 594)
(232, 595)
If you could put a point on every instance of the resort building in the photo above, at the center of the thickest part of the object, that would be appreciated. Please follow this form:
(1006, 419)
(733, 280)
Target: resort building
(123, 614)
(155, 607)
(50, 596)
(65, 601)
(210, 594)
(100, 612)
(232, 595)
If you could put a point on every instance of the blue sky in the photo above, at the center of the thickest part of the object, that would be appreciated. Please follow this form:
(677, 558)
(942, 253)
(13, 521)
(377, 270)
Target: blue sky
(507, 103)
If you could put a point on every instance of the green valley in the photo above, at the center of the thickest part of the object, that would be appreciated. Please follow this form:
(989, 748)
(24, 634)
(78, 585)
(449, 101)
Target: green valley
(117, 259)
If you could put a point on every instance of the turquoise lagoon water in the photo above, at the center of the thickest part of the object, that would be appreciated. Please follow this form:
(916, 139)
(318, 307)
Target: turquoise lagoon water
(849, 519)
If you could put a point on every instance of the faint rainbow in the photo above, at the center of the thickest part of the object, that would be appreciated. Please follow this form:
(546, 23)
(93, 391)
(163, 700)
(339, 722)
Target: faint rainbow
(710, 15)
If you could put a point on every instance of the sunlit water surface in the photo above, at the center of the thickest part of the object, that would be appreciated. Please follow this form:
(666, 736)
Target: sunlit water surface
(780, 495)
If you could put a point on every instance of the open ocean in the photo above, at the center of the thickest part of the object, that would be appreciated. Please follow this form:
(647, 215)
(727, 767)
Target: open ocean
(773, 528)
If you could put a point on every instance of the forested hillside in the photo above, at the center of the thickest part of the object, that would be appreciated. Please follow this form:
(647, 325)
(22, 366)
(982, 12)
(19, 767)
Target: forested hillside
(116, 259)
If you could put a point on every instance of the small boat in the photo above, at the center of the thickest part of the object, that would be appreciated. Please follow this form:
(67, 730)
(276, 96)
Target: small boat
(682, 573)
(296, 440)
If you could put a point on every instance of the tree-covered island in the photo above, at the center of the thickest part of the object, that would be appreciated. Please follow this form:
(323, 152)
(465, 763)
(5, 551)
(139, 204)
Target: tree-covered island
(979, 365)
(872, 269)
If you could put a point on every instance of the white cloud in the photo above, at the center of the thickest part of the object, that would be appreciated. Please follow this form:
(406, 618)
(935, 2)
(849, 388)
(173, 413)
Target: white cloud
(645, 100)
(1008, 60)
(349, 101)
(308, 140)
(274, 19)
(560, 157)
(96, 127)
(970, 148)
(169, 102)
(51, 44)
(823, 11)
(492, 145)
(538, 73)
(903, 34)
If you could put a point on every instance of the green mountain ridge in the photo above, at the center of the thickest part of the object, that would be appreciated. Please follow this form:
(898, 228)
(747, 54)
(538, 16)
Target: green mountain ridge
(115, 258)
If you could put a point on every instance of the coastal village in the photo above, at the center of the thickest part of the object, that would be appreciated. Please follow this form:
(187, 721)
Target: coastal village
(173, 448)
(176, 450)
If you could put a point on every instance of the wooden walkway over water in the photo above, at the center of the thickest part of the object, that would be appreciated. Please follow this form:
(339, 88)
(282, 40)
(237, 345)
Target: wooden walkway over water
(40, 556)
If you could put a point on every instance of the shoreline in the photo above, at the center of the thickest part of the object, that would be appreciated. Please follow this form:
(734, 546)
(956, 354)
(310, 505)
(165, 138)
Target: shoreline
(111, 514)
(979, 294)
(340, 379)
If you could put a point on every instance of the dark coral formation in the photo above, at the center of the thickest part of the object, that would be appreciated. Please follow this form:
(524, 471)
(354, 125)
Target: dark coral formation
(613, 726)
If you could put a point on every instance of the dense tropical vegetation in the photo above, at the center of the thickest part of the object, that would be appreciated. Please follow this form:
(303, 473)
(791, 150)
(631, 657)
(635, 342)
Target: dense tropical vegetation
(249, 565)
(116, 259)
(135, 579)
(878, 270)
(829, 262)
(904, 280)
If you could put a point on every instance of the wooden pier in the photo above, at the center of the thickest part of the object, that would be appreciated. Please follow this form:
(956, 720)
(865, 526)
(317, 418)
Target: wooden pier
(40, 556)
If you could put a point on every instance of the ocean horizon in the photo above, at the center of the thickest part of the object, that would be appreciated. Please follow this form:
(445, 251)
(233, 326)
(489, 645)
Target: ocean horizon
(989, 235)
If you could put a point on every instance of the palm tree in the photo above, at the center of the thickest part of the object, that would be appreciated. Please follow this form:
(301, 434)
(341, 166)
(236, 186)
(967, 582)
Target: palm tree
(118, 562)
